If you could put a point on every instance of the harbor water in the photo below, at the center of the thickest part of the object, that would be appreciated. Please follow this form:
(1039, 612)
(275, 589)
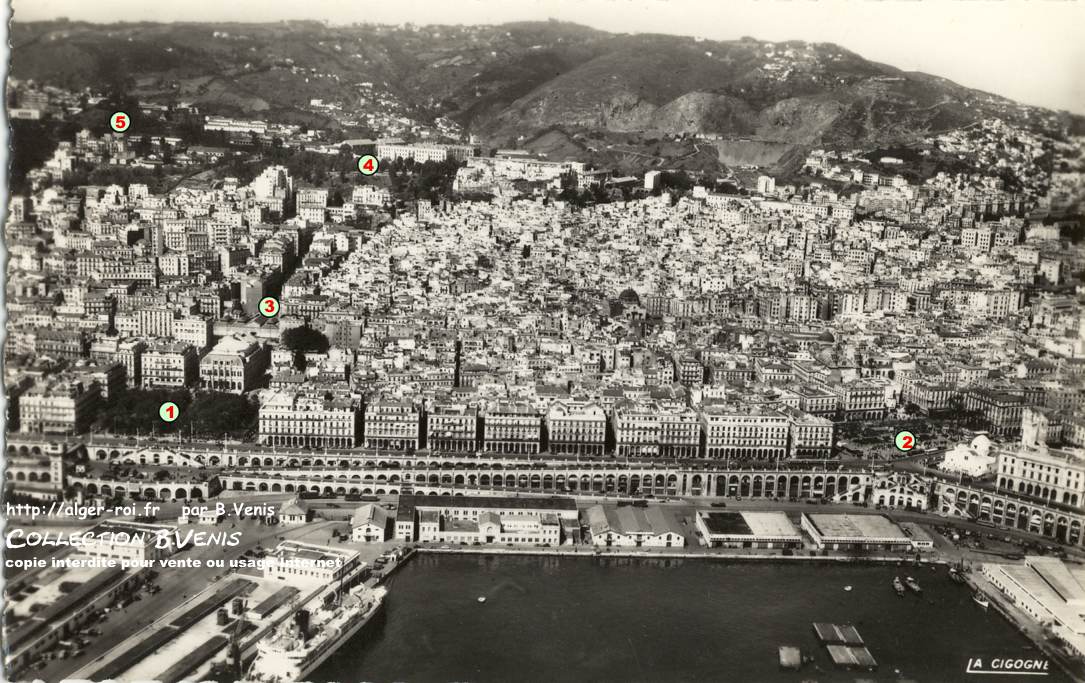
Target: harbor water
(615, 619)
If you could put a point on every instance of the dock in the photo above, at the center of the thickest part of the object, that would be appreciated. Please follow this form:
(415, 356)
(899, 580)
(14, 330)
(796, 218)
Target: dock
(790, 657)
(852, 657)
(845, 646)
(837, 634)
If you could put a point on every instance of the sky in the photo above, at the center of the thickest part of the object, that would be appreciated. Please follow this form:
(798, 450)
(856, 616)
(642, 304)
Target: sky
(1031, 51)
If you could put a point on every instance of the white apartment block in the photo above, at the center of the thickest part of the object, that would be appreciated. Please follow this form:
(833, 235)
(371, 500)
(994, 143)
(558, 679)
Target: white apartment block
(513, 428)
(425, 152)
(58, 407)
(169, 365)
(370, 195)
(309, 419)
(234, 365)
(452, 428)
(576, 428)
(744, 432)
(392, 425)
(1054, 475)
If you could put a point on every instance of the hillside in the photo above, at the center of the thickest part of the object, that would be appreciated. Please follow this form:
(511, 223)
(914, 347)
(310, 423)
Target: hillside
(517, 82)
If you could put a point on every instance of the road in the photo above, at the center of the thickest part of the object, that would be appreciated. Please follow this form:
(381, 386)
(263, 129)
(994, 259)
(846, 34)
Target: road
(183, 584)
(180, 586)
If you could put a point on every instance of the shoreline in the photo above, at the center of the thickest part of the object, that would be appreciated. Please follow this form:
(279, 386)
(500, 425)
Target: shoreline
(1023, 624)
(995, 596)
(671, 555)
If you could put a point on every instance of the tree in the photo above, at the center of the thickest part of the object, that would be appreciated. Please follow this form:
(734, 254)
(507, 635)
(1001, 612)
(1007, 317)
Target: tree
(216, 414)
(305, 339)
(302, 340)
(136, 412)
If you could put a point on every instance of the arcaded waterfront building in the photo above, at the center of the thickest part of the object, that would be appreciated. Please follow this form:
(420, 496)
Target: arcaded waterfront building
(650, 429)
(310, 419)
(513, 428)
(392, 425)
(1054, 475)
(810, 436)
(452, 428)
(576, 428)
(745, 432)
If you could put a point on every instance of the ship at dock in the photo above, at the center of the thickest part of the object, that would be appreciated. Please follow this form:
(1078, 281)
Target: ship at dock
(294, 650)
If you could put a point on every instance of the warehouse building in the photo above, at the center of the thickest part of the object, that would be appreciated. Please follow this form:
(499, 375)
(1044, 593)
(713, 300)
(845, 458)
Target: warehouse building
(855, 532)
(747, 530)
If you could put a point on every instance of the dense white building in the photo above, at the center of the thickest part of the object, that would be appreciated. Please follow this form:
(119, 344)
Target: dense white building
(234, 365)
(576, 428)
(309, 563)
(59, 406)
(392, 425)
(633, 527)
(309, 419)
(973, 460)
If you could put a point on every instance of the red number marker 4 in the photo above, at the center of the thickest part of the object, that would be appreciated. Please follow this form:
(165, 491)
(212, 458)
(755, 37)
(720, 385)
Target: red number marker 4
(368, 164)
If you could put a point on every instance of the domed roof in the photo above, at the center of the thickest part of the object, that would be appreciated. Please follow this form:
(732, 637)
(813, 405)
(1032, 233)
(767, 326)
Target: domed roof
(827, 336)
(629, 297)
(981, 444)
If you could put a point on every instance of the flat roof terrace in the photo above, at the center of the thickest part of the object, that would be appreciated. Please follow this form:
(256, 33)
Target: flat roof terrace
(862, 527)
(753, 524)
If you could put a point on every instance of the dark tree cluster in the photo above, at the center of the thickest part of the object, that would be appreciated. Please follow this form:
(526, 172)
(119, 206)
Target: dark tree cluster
(426, 181)
(209, 415)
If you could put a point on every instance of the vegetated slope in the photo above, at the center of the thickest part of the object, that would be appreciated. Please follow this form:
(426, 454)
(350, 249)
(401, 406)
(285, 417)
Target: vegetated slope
(514, 82)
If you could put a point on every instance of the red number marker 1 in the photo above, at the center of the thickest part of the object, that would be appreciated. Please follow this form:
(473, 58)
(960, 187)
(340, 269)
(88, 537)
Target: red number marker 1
(169, 411)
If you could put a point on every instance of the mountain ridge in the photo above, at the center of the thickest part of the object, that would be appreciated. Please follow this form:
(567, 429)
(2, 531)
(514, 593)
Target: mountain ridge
(514, 82)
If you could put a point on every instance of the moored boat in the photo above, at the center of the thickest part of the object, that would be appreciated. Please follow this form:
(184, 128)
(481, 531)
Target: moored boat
(981, 600)
(898, 586)
(292, 651)
(913, 584)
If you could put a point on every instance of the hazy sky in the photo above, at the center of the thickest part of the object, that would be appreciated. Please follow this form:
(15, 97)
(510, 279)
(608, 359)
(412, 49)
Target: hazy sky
(1029, 50)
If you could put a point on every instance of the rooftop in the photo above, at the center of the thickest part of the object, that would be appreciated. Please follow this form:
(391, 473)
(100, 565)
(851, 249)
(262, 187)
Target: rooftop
(856, 526)
(758, 524)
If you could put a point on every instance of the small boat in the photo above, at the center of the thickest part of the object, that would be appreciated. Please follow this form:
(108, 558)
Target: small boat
(980, 600)
(898, 586)
(955, 575)
(482, 598)
(847, 588)
(913, 584)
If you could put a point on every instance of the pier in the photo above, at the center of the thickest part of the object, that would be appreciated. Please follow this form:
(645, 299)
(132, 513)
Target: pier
(852, 657)
(845, 646)
(837, 634)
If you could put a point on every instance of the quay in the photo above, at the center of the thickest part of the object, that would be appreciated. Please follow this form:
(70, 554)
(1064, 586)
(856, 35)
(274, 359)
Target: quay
(834, 634)
(790, 657)
(845, 646)
(852, 657)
